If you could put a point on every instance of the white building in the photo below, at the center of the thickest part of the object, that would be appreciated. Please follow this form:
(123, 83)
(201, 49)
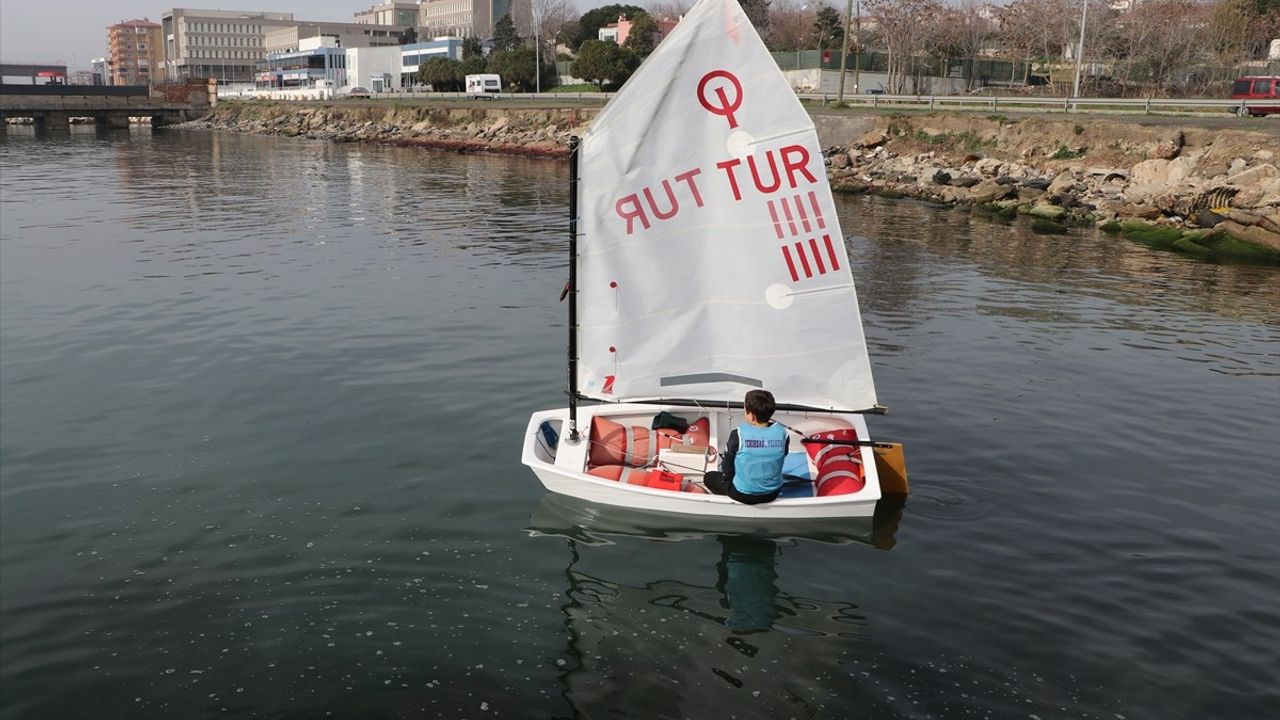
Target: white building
(375, 68)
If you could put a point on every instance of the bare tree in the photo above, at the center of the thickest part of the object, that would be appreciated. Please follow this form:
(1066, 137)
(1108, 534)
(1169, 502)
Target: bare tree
(964, 32)
(1160, 40)
(668, 9)
(546, 17)
(791, 24)
(906, 29)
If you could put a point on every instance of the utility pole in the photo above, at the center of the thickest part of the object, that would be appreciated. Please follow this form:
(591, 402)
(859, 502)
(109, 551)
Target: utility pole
(537, 54)
(1084, 16)
(857, 49)
(844, 52)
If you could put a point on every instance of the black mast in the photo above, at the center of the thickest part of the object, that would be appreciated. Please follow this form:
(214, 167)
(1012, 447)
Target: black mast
(573, 289)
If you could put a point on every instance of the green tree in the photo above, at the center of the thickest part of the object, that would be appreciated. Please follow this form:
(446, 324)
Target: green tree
(440, 73)
(474, 65)
(517, 66)
(600, 62)
(567, 35)
(408, 37)
(505, 36)
(644, 35)
(471, 48)
(591, 21)
(827, 28)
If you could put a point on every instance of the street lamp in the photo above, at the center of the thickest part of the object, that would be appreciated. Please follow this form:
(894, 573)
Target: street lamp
(844, 50)
(1084, 16)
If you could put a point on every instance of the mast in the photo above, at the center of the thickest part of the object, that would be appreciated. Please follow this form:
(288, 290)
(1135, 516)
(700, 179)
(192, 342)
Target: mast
(573, 289)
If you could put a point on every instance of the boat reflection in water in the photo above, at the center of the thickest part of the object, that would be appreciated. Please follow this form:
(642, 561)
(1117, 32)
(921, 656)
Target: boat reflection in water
(667, 648)
(592, 524)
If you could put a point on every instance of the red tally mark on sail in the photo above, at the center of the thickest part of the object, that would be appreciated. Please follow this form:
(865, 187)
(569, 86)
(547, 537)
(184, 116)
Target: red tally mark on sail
(796, 217)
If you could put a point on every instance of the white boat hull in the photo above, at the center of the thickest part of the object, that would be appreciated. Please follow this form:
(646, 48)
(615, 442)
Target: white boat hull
(564, 469)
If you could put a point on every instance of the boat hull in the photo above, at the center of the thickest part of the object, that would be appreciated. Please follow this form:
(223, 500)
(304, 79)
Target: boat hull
(563, 469)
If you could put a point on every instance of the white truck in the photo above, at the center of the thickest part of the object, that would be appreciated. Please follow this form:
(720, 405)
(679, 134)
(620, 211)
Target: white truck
(486, 85)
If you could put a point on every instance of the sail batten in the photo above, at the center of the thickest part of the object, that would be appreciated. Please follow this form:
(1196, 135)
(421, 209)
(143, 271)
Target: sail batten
(711, 259)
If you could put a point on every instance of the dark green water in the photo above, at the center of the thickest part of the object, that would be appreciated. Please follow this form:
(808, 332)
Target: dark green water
(261, 403)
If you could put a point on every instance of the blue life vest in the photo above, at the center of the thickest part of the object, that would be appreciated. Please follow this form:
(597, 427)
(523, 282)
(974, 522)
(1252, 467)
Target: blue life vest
(757, 468)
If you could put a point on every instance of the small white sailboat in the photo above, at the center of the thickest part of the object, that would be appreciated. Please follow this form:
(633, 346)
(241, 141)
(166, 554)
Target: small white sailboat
(706, 260)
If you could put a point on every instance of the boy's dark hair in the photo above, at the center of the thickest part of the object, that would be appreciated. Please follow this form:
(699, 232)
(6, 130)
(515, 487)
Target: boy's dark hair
(761, 404)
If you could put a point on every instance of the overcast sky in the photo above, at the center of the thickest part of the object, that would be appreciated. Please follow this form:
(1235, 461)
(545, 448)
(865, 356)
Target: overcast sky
(72, 32)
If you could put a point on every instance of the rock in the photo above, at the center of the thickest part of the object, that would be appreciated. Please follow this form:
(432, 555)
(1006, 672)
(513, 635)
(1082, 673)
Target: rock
(1242, 217)
(839, 161)
(871, 138)
(1214, 170)
(1150, 172)
(1036, 183)
(965, 181)
(1169, 148)
(1251, 233)
(1236, 166)
(1065, 181)
(1264, 155)
(1255, 174)
(1146, 212)
(853, 157)
(987, 191)
(941, 177)
(989, 167)
(1270, 222)
(1108, 173)
(1006, 180)
(1046, 211)
(1182, 168)
(955, 194)
(1027, 194)
(1207, 218)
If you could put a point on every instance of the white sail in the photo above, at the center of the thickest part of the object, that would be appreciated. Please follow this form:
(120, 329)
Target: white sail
(710, 258)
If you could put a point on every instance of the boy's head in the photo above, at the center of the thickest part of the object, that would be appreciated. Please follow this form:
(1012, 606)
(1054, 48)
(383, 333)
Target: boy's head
(760, 404)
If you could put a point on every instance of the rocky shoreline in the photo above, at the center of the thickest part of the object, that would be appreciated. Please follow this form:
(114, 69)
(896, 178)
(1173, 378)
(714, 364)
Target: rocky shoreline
(1210, 193)
(1210, 189)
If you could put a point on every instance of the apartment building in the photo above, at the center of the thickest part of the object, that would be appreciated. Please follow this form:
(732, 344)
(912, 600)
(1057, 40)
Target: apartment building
(135, 53)
(345, 35)
(222, 44)
(463, 18)
(401, 14)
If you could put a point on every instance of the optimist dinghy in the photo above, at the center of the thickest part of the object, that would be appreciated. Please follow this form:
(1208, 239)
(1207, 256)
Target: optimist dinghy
(706, 260)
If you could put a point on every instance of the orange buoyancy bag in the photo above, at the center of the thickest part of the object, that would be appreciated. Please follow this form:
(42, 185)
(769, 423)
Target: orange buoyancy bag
(621, 473)
(839, 467)
(634, 446)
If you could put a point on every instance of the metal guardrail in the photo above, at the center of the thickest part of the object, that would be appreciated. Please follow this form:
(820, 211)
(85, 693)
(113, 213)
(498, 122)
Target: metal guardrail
(1066, 105)
(1147, 106)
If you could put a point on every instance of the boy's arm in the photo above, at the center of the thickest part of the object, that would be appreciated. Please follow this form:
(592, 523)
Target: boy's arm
(726, 458)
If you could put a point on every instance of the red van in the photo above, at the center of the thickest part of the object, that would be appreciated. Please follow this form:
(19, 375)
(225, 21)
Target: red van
(1256, 88)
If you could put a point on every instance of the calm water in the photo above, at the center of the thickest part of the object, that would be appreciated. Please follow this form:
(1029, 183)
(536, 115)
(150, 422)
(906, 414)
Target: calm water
(261, 403)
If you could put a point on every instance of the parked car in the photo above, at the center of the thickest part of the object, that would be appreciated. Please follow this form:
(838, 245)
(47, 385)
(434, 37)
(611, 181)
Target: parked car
(1257, 88)
(358, 92)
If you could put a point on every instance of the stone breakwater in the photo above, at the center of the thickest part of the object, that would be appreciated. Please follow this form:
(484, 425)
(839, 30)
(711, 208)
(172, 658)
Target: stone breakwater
(522, 131)
(1197, 184)
(1109, 173)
